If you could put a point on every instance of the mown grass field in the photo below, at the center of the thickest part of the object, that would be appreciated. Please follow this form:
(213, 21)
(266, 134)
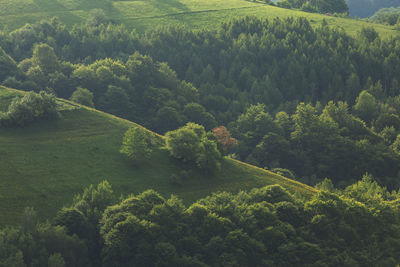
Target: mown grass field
(45, 164)
(147, 14)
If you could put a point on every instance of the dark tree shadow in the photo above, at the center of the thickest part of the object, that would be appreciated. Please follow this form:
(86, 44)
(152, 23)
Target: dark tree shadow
(168, 6)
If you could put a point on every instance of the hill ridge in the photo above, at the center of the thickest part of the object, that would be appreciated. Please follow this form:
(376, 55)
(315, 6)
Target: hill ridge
(161, 136)
(48, 162)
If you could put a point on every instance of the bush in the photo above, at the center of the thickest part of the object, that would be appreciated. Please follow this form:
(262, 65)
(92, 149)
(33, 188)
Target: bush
(29, 108)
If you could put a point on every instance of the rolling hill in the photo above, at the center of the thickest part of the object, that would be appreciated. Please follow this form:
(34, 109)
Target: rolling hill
(147, 14)
(45, 164)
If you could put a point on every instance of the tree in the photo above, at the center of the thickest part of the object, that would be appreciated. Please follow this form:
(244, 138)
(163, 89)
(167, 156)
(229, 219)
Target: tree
(56, 260)
(333, 6)
(366, 107)
(184, 143)
(210, 157)
(136, 144)
(115, 101)
(167, 118)
(224, 138)
(192, 144)
(252, 126)
(45, 57)
(196, 113)
(82, 217)
(83, 96)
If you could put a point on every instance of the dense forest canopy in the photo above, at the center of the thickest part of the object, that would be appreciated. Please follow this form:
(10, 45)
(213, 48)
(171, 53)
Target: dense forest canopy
(264, 227)
(366, 8)
(387, 16)
(318, 6)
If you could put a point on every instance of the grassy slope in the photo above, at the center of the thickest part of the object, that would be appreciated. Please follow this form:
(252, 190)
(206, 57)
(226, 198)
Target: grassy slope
(146, 14)
(45, 164)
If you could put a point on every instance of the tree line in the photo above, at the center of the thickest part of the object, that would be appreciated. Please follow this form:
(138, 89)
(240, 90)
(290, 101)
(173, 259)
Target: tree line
(316, 6)
(366, 8)
(268, 226)
(388, 16)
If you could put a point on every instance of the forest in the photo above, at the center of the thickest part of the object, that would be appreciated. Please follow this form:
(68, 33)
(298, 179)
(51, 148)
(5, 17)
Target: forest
(387, 16)
(267, 226)
(323, 7)
(311, 103)
(366, 8)
(316, 102)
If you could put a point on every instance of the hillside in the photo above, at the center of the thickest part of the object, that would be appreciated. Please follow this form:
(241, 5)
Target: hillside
(142, 15)
(45, 164)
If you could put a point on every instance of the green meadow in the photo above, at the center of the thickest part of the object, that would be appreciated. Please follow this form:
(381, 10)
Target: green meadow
(45, 164)
(144, 15)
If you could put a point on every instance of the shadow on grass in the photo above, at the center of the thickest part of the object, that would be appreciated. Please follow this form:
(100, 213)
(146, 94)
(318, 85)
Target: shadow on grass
(83, 5)
(167, 6)
(46, 5)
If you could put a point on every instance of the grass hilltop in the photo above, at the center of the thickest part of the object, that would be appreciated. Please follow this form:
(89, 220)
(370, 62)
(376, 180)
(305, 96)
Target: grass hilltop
(146, 14)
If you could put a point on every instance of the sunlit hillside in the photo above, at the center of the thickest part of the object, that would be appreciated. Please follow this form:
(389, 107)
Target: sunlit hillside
(142, 15)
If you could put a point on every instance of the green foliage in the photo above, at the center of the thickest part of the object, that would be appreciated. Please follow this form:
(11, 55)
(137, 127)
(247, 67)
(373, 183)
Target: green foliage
(8, 67)
(29, 108)
(56, 260)
(196, 113)
(237, 229)
(396, 144)
(44, 245)
(136, 144)
(324, 6)
(83, 96)
(149, 230)
(387, 15)
(367, 8)
(184, 143)
(325, 185)
(192, 144)
(94, 200)
(366, 107)
(367, 190)
(115, 101)
(319, 141)
(81, 219)
(45, 58)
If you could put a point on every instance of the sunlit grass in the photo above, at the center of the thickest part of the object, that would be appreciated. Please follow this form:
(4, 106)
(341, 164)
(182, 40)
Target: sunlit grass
(147, 14)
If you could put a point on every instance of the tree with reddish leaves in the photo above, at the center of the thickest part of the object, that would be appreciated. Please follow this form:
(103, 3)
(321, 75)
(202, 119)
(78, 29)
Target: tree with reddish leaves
(224, 138)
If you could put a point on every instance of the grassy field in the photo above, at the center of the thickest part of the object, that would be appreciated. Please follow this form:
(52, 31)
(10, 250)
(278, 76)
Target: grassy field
(146, 14)
(45, 164)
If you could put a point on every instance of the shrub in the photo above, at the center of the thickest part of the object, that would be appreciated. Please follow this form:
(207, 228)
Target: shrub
(29, 108)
